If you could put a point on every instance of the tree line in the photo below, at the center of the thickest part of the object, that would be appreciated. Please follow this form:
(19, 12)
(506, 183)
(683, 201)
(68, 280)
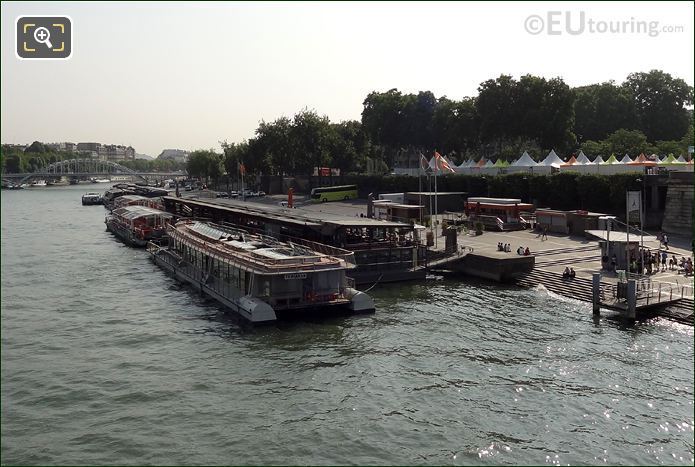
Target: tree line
(647, 113)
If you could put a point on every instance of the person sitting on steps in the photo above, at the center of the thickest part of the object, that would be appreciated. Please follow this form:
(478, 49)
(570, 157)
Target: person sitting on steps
(566, 273)
(572, 273)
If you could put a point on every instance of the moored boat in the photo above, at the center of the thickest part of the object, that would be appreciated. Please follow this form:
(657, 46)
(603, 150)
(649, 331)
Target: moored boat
(92, 198)
(257, 276)
(137, 225)
(137, 200)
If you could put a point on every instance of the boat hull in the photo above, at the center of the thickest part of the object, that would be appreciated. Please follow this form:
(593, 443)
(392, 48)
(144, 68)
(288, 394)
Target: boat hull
(91, 201)
(126, 235)
(250, 308)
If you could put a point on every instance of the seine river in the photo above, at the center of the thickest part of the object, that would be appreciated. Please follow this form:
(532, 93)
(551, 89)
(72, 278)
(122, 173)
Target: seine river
(105, 360)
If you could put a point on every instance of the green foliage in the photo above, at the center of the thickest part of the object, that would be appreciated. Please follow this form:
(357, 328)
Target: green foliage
(594, 148)
(622, 142)
(600, 109)
(670, 147)
(205, 164)
(660, 104)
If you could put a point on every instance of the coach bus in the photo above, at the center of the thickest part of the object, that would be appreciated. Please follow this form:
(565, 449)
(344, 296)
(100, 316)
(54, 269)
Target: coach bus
(333, 193)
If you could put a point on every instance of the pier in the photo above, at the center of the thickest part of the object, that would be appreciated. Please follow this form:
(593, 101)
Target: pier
(385, 251)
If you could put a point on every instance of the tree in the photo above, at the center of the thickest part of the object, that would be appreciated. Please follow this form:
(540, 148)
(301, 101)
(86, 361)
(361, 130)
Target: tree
(205, 164)
(660, 102)
(455, 126)
(594, 148)
(13, 164)
(631, 142)
(346, 141)
(600, 109)
(669, 147)
(36, 147)
(310, 134)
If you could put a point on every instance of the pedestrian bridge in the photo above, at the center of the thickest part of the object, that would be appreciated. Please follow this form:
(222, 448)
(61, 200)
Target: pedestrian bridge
(82, 168)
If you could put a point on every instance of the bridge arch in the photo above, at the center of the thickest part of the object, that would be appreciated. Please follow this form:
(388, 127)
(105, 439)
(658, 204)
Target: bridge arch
(93, 167)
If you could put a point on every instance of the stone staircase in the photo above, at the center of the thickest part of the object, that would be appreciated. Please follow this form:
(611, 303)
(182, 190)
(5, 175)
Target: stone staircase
(580, 289)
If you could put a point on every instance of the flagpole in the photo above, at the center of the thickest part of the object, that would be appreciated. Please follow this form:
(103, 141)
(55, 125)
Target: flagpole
(627, 222)
(419, 184)
(436, 169)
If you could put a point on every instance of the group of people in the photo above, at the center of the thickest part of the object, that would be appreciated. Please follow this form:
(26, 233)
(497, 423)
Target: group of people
(660, 261)
(507, 248)
(569, 273)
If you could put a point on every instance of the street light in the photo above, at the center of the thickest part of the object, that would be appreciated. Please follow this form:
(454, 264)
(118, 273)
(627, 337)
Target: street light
(641, 217)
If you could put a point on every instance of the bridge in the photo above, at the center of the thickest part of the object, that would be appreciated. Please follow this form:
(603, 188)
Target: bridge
(85, 168)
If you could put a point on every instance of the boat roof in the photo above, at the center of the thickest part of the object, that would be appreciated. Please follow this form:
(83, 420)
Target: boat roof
(134, 212)
(294, 216)
(259, 253)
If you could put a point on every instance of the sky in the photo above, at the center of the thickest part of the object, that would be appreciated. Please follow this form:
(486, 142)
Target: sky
(189, 75)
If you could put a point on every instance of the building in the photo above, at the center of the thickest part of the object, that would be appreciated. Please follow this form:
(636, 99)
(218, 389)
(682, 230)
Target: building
(445, 200)
(106, 152)
(63, 147)
(177, 155)
(89, 147)
(115, 152)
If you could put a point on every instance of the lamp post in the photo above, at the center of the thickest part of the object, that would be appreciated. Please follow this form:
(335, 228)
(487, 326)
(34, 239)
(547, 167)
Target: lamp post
(642, 213)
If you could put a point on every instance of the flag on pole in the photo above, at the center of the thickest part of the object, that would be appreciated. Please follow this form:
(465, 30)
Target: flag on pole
(242, 168)
(441, 164)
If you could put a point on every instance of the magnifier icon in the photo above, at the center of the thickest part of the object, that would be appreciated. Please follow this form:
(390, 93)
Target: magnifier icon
(43, 36)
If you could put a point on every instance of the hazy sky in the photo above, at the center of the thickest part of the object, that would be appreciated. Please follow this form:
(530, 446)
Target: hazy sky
(179, 75)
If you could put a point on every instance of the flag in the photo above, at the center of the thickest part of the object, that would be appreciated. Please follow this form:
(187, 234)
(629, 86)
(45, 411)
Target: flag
(441, 164)
(242, 168)
(424, 164)
(634, 206)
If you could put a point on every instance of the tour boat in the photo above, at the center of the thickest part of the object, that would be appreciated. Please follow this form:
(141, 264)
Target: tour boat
(137, 225)
(91, 198)
(38, 183)
(100, 180)
(137, 200)
(257, 276)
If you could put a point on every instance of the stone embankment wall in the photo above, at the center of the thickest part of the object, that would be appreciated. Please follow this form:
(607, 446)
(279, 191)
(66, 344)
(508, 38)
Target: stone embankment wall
(678, 217)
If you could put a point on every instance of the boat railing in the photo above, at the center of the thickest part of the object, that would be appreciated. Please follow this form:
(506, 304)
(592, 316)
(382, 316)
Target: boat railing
(266, 265)
(337, 252)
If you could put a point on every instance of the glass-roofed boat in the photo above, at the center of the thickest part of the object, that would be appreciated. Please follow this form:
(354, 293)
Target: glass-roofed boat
(138, 225)
(257, 276)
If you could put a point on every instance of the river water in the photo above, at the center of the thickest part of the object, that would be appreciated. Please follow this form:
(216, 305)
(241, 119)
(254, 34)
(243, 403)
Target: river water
(106, 360)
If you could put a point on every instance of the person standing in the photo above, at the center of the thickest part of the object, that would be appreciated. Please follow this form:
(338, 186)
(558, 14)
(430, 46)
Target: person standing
(665, 240)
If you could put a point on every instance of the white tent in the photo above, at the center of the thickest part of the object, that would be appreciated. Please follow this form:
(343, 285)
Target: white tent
(552, 159)
(582, 159)
(681, 159)
(489, 163)
(524, 161)
(598, 160)
(626, 159)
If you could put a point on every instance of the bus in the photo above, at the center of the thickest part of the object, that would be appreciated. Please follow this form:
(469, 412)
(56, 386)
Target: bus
(333, 193)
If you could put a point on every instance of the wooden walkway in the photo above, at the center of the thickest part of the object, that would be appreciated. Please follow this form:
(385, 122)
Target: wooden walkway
(680, 309)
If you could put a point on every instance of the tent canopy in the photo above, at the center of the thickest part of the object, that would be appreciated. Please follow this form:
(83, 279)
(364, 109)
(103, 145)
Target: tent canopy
(611, 160)
(626, 159)
(572, 161)
(582, 159)
(552, 159)
(524, 161)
